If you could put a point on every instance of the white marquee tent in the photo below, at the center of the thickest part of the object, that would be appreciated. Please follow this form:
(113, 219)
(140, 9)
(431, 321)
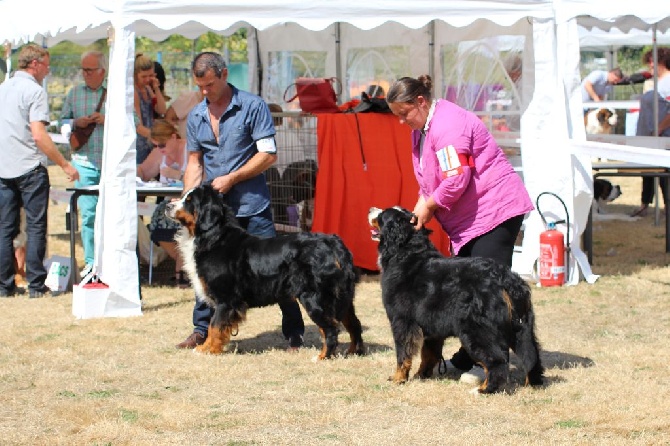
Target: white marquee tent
(555, 154)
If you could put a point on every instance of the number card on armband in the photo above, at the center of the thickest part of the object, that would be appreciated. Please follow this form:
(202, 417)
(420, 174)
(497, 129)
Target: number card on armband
(450, 162)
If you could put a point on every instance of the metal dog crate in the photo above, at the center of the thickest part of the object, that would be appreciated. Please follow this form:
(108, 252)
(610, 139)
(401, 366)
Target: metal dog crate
(292, 179)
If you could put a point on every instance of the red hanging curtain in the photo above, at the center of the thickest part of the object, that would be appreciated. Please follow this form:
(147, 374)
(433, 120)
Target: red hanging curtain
(352, 179)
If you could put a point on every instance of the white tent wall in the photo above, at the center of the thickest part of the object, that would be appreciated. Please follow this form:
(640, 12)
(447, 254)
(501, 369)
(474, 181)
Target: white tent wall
(582, 175)
(483, 30)
(292, 37)
(116, 222)
(548, 165)
(414, 43)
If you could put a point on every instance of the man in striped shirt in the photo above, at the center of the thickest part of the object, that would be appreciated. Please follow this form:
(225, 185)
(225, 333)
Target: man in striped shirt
(80, 106)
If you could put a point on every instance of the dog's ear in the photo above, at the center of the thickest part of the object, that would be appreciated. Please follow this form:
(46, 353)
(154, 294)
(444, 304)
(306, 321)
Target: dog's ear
(210, 208)
(396, 229)
(598, 188)
(601, 188)
(602, 115)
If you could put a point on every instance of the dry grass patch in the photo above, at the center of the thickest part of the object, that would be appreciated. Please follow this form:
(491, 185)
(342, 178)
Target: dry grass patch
(121, 382)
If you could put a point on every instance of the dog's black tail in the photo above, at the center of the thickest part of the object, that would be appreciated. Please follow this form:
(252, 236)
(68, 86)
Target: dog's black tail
(525, 344)
(350, 274)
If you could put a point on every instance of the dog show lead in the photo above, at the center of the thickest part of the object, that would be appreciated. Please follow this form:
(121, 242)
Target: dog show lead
(465, 180)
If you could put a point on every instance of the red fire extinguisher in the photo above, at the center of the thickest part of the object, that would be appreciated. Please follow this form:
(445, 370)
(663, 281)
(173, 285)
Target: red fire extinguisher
(553, 268)
(552, 257)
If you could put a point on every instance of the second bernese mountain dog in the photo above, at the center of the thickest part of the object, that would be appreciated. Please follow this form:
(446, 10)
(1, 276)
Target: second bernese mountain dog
(233, 270)
(429, 297)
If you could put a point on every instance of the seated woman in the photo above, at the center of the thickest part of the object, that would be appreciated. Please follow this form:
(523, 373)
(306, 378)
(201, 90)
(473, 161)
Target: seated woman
(168, 158)
(149, 101)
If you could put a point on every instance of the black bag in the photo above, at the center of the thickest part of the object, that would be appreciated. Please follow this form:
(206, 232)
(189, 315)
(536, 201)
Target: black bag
(371, 105)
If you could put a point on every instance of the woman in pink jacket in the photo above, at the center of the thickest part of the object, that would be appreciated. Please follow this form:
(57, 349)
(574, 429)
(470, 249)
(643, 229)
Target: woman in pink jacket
(465, 180)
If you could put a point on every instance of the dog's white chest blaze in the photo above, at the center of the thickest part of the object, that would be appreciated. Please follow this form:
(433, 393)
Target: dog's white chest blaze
(186, 244)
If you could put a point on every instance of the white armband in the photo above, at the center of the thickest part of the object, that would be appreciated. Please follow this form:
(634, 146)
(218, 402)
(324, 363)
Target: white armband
(266, 145)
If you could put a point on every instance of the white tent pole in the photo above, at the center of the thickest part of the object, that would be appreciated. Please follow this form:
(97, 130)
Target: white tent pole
(338, 60)
(655, 59)
(194, 44)
(431, 50)
(116, 212)
(8, 59)
(258, 61)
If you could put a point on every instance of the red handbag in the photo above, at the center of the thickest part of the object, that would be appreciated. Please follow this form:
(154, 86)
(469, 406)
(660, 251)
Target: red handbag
(315, 94)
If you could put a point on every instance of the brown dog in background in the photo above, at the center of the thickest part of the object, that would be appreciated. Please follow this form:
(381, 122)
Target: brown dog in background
(600, 121)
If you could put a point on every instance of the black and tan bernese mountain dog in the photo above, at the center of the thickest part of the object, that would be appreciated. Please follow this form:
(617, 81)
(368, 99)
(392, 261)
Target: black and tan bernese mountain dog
(233, 270)
(429, 297)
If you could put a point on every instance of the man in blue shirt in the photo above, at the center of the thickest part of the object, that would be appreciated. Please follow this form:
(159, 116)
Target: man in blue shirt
(598, 84)
(230, 143)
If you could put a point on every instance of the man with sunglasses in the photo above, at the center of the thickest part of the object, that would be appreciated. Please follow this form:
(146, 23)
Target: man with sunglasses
(24, 179)
(80, 106)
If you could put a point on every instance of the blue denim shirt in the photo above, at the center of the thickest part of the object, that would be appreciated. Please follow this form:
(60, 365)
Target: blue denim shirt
(246, 120)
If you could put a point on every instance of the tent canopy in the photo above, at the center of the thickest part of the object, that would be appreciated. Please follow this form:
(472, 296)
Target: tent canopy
(157, 19)
(552, 135)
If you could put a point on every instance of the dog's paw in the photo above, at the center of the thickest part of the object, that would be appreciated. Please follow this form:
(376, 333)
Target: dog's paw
(205, 349)
(396, 380)
(475, 391)
(428, 374)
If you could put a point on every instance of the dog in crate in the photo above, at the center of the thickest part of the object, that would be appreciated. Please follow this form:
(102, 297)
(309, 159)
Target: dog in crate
(292, 193)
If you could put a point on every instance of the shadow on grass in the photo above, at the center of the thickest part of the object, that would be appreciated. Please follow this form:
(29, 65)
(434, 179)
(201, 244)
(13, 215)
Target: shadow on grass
(149, 307)
(563, 360)
(517, 374)
(627, 247)
(274, 340)
(64, 236)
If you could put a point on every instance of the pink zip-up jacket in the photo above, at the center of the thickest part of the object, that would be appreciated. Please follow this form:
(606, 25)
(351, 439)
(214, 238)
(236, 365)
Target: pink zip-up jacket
(472, 200)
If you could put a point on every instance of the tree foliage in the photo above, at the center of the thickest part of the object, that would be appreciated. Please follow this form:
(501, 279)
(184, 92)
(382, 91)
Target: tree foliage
(234, 46)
